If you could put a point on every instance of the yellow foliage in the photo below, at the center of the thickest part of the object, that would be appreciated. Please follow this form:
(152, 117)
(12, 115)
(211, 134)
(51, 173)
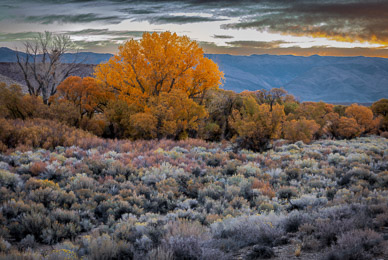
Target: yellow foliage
(156, 64)
(312, 111)
(300, 130)
(176, 114)
(363, 116)
(348, 127)
(85, 93)
(143, 126)
(380, 109)
(257, 124)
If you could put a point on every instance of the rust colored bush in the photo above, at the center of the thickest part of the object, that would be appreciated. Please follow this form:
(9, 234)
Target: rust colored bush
(300, 130)
(348, 128)
(37, 167)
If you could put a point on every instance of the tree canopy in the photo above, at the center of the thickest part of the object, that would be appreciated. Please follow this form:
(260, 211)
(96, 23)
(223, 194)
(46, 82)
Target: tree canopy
(159, 63)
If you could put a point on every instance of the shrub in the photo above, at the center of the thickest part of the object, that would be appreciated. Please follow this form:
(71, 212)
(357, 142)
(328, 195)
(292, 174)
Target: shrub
(161, 253)
(300, 130)
(357, 244)
(256, 125)
(8, 179)
(213, 162)
(102, 248)
(260, 252)
(293, 174)
(37, 168)
(185, 248)
(287, 193)
(293, 221)
(240, 232)
(348, 127)
(42, 133)
(28, 242)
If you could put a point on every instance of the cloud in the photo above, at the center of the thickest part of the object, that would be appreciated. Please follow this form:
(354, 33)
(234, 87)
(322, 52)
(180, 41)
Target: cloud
(364, 21)
(102, 46)
(179, 19)
(133, 10)
(79, 18)
(23, 36)
(223, 36)
(210, 47)
(106, 32)
(345, 20)
(257, 44)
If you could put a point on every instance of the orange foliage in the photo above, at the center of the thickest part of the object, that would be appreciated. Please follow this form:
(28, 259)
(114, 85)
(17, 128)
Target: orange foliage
(37, 167)
(264, 187)
(86, 94)
(363, 116)
(176, 114)
(170, 115)
(380, 109)
(156, 64)
(300, 130)
(331, 127)
(143, 126)
(14, 104)
(256, 124)
(34, 133)
(158, 78)
(348, 127)
(312, 111)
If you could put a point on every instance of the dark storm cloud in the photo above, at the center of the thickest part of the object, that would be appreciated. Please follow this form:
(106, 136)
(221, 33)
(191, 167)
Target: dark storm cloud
(256, 44)
(223, 36)
(79, 18)
(347, 20)
(107, 32)
(23, 36)
(180, 19)
(343, 21)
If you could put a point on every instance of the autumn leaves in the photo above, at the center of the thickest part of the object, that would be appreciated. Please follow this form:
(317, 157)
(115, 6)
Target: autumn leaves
(162, 78)
(163, 87)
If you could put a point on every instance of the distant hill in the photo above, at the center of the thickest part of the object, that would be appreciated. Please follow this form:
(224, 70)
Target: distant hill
(8, 55)
(11, 73)
(314, 78)
(8, 80)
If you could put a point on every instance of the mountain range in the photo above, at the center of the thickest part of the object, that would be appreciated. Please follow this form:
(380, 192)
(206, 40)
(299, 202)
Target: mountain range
(314, 78)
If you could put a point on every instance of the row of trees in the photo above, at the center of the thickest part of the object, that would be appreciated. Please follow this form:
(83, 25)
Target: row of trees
(163, 87)
(251, 122)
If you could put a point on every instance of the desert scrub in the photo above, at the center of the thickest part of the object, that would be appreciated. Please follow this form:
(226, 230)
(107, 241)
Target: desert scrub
(135, 200)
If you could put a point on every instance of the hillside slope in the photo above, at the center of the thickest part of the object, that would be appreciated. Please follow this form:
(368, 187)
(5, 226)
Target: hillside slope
(314, 78)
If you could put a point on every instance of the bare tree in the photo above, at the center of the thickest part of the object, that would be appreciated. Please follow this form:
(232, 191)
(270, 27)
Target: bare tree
(42, 66)
(271, 97)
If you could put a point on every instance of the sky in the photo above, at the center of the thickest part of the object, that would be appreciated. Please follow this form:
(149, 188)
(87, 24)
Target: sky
(245, 27)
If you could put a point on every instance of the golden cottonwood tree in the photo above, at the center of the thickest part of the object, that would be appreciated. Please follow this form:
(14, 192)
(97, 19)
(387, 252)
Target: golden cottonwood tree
(171, 115)
(162, 78)
(159, 63)
(256, 124)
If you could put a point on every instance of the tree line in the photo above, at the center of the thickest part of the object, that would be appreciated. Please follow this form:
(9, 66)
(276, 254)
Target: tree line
(162, 86)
